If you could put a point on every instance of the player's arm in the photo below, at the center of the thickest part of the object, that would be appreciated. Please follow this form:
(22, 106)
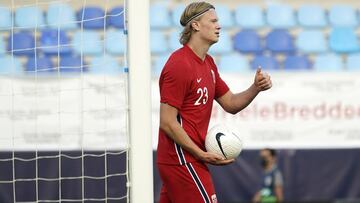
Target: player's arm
(279, 194)
(233, 103)
(170, 125)
(256, 198)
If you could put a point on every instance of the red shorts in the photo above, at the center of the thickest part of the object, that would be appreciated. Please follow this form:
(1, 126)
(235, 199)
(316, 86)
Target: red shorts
(186, 183)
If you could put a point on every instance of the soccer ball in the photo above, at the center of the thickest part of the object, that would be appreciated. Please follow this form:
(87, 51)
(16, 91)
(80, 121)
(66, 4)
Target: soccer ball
(224, 141)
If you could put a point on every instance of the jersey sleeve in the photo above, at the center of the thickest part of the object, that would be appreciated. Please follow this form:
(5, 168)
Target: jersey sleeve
(174, 83)
(278, 178)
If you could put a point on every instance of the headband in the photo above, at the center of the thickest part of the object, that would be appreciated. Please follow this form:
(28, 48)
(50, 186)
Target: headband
(196, 15)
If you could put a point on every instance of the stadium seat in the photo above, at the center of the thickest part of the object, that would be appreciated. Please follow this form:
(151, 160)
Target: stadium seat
(5, 18)
(233, 63)
(174, 42)
(279, 41)
(342, 16)
(249, 16)
(61, 15)
(297, 63)
(353, 62)
(21, 43)
(311, 41)
(115, 42)
(53, 42)
(2, 46)
(280, 16)
(91, 17)
(311, 16)
(158, 42)
(248, 41)
(176, 14)
(87, 42)
(105, 64)
(28, 17)
(159, 16)
(224, 45)
(328, 62)
(39, 65)
(226, 17)
(10, 65)
(265, 62)
(343, 40)
(116, 17)
(72, 64)
(159, 64)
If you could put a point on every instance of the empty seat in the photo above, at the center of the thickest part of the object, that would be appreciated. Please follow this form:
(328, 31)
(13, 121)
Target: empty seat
(223, 46)
(61, 15)
(265, 62)
(21, 43)
(91, 17)
(233, 63)
(174, 42)
(343, 40)
(328, 62)
(39, 65)
(116, 17)
(342, 15)
(158, 42)
(176, 14)
(280, 16)
(10, 65)
(2, 46)
(159, 16)
(115, 42)
(226, 18)
(279, 41)
(87, 42)
(5, 18)
(72, 64)
(297, 63)
(311, 41)
(311, 15)
(159, 63)
(248, 41)
(353, 62)
(105, 64)
(53, 41)
(28, 17)
(249, 16)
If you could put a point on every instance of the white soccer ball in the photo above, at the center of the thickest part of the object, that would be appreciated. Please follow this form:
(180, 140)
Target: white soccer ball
(224, 141)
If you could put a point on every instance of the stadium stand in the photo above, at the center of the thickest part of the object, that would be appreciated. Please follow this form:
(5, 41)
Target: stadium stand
(5, 18)
(61, 15)
(249, 16)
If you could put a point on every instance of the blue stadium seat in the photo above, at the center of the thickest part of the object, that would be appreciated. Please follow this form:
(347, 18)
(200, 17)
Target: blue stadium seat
(116, 17)
(353, 62)
(72, 64)
(280, 41)
(249, 16)
(280, 16)
(28, 17)
(159, 16)
(328, 62)
(234, 63)
(343, 16)
(105, 64)
(248, 41)
(39, 65)
(61, 15)
(91, 17)
(115, 42)
(226, 18)
(343, 40)
(311, 41)
(159, 64)
(265, 62)
(21, 43)
(174, 42)
(176, 14)
(5, 18)
(297, 63)
(312, 15)
(224, 45)
(2, 46)
(87, 42)
(158, 42)
(10, 65)
(53, 42)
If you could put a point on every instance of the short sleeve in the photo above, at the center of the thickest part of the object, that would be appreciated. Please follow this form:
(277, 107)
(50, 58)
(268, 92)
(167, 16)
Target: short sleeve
(278, 178)
(174, 83)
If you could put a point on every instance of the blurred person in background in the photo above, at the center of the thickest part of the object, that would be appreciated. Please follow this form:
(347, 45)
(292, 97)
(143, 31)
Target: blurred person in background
(272, 181)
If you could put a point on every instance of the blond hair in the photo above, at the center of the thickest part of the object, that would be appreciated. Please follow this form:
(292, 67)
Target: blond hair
(192, 11)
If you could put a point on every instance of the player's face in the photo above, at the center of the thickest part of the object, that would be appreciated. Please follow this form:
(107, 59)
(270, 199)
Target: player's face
(209, 27)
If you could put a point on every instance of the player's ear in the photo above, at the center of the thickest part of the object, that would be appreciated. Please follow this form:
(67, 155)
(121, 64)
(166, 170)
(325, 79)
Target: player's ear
(195, 26)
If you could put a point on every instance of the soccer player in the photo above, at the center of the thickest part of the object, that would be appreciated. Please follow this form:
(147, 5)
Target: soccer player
(189, 83)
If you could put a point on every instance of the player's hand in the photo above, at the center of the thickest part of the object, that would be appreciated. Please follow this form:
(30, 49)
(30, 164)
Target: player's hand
(215, 159)
(262, 80)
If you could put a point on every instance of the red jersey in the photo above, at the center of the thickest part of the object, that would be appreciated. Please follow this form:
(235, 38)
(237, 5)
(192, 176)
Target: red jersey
(190, 85)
